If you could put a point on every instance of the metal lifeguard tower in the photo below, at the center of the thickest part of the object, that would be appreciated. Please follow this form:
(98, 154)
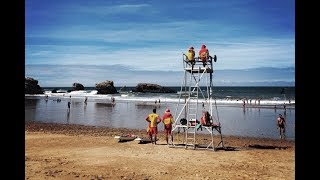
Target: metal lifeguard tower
(196, 96)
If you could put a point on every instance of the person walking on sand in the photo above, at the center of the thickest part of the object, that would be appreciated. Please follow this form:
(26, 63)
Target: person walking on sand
(281, 123)
(153, 119)
(167, 120)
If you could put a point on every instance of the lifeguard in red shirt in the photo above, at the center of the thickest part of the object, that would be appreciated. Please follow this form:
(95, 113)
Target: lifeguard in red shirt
(204, 55)
(167, 120)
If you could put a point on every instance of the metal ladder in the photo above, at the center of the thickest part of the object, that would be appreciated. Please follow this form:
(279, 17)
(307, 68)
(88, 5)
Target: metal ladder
(192, 109)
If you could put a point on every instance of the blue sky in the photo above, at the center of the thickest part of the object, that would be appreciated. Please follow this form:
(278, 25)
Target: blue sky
(150, 36)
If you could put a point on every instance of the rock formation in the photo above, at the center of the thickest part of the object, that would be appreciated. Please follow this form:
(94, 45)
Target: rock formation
(77, 87)
(31, 86)
(152, 88)
(106, 87)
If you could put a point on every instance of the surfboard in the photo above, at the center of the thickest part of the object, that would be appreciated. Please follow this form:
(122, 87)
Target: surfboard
(144, 140)
(124, 138)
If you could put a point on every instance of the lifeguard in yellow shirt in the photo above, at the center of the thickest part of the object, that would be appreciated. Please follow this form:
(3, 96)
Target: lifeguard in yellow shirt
(153, 119)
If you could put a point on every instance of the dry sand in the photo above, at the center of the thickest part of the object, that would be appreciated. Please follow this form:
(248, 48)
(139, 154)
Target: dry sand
(84, 152)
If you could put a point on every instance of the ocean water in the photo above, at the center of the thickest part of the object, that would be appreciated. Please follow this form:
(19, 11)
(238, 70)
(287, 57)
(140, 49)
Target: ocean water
(256, 119)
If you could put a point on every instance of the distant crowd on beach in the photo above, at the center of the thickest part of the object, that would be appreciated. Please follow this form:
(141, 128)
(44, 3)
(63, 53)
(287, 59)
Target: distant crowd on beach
(112, 100)
(249, 101)
(246, 101)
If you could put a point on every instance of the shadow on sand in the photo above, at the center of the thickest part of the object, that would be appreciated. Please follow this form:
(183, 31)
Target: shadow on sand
(257, 146)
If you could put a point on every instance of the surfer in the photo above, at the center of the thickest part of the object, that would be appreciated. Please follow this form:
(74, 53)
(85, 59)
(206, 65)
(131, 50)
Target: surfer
(153, 119)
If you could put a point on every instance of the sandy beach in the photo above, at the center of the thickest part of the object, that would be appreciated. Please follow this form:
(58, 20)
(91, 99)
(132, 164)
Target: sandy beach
(55, 151)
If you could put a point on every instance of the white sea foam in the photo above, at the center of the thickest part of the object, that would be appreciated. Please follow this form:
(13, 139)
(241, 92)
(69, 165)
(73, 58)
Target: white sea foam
(131, 97)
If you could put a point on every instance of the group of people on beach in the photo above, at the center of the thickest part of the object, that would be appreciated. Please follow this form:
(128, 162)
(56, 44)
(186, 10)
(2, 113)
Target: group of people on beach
(167, 119)
(154, 119)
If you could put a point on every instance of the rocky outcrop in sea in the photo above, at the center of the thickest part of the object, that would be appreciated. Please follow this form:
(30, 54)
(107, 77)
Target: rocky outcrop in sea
(77, 87)
(31, 86)
(152, 88)
(106, 87)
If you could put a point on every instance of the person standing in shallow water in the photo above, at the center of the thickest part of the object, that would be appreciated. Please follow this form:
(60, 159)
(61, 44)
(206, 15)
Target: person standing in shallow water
(85, 100)
(153, 119)
(281, 123)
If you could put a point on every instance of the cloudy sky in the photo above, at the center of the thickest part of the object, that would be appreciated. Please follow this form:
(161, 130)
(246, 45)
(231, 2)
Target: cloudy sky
(131, 41)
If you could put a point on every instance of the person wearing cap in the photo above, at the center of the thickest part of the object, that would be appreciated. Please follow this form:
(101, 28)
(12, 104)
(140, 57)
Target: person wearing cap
(281, 123)
(153, 119)
(190, 56)
(204, 54)
(167, 120)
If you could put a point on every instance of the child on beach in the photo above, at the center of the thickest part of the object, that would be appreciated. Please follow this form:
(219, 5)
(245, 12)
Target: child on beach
(153, 119)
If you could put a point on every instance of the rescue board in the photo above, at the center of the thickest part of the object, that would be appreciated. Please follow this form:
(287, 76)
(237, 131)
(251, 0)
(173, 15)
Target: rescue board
(124, 138)
(144, 140)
